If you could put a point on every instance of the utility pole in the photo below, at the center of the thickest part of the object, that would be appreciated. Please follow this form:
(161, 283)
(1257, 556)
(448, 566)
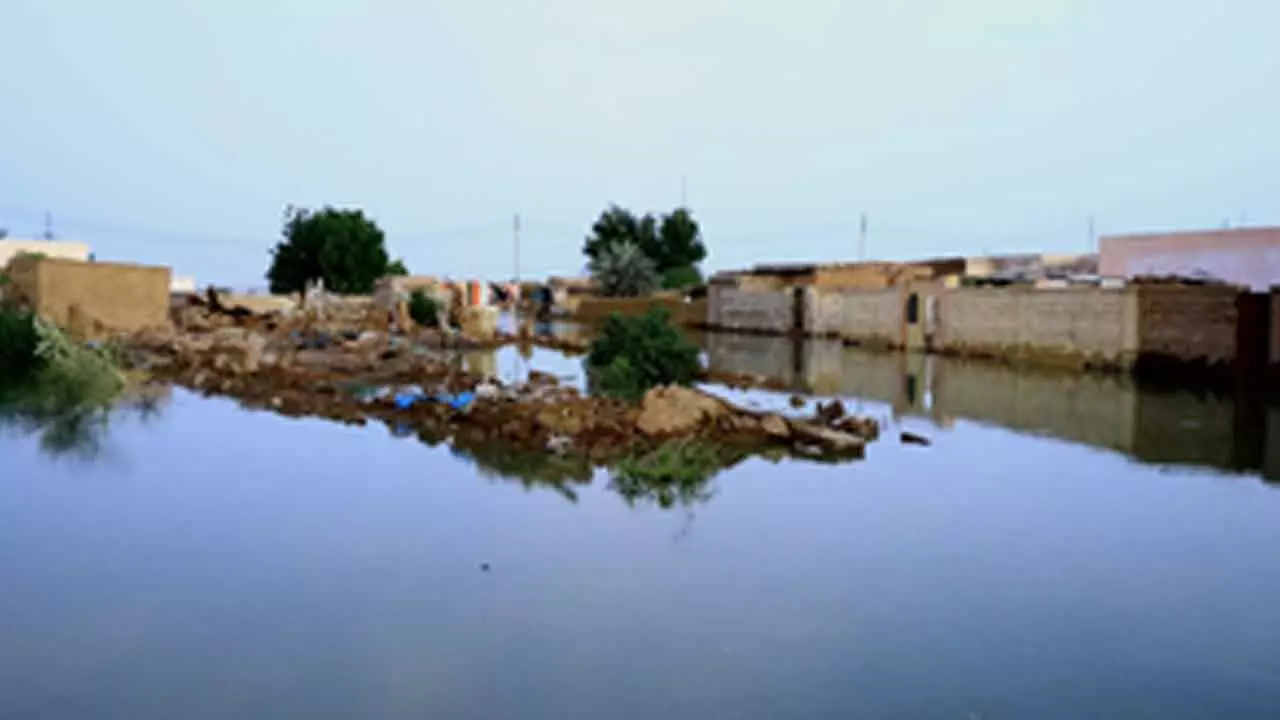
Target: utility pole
(515, 241)
(48, 226)
(1093, 236)
(684, 192)
(862, 238)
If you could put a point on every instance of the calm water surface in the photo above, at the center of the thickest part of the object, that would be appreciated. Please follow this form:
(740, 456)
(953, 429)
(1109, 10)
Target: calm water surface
(1068, 548)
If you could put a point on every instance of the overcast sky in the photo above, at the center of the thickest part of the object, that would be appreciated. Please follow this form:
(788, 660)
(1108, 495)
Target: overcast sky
(175, 131)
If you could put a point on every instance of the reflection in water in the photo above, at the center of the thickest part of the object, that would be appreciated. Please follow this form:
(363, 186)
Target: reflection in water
(81, 433)
(1158, 427)
(1161, 427)
(676, 474)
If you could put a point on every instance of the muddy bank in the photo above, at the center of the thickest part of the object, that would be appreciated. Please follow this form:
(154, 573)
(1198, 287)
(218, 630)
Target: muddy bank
(358, 374)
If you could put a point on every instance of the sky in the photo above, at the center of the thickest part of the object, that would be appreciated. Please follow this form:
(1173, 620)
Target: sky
(176, 131)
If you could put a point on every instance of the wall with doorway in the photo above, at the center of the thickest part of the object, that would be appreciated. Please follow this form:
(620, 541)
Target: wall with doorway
(1071, 327)
(766, 311)
(872, 317)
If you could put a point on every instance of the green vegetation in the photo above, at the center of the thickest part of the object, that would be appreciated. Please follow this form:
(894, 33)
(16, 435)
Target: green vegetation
(397, 268)
(423, 309)
(682, 278)
(49, 382)
(673, 241)
(622, 270)
(18, 343)
(632, 355)
(47, 373)
(343, 248)
(677, 472)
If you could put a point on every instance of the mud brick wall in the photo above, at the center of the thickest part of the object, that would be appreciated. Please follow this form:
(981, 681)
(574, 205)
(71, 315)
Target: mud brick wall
(873, 316)
(1188, 323)
(1052, 327)
(596, 309)
(731, 308)
(111, 295)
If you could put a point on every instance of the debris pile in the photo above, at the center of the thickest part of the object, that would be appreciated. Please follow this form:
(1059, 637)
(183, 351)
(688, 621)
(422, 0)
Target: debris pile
(348, 369)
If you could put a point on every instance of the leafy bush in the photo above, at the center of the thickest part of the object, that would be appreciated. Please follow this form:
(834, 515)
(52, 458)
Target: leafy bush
(18, 343)
(632, 355)
(423, 309)
(46, 372)
(623, 270)
(679, 278)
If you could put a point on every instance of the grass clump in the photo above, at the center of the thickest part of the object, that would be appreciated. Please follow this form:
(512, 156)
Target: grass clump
(632, 355)
(423, 308)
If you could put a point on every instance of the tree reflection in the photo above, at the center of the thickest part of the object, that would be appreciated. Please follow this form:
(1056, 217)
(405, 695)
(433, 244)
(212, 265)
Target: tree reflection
(77, 432)
(676, 474)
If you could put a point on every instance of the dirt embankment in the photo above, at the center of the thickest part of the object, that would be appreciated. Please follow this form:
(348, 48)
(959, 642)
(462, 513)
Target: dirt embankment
(354, 372)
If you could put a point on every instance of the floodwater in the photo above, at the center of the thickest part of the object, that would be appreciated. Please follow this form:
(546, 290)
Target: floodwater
(1067, 548)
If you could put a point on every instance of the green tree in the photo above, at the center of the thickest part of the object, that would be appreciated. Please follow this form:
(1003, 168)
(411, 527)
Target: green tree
(681, 278)
(619, 225)
(679, 241)
(622, 270)
(342, 247)
(673, 242)
(397, 268)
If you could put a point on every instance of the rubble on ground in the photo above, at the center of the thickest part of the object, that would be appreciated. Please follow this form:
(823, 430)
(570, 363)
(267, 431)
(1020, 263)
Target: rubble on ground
(351, 370)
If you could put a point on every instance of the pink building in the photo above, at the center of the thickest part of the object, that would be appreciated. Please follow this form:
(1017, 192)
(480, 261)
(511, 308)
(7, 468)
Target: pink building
(1241, 256)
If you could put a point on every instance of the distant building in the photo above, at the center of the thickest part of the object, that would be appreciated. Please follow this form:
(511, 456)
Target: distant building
(1249, 257)
(182, 284)
(62, 249)
(1030, 267)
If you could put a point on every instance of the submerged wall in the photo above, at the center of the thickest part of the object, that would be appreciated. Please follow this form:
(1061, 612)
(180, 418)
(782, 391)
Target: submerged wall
(764, 311)
(1143, 327)
(871, 317)
(1074, 327)
(1189, 324)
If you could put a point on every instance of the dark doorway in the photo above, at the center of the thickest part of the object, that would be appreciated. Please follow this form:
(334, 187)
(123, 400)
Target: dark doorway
(913, 309)
(797, 310)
